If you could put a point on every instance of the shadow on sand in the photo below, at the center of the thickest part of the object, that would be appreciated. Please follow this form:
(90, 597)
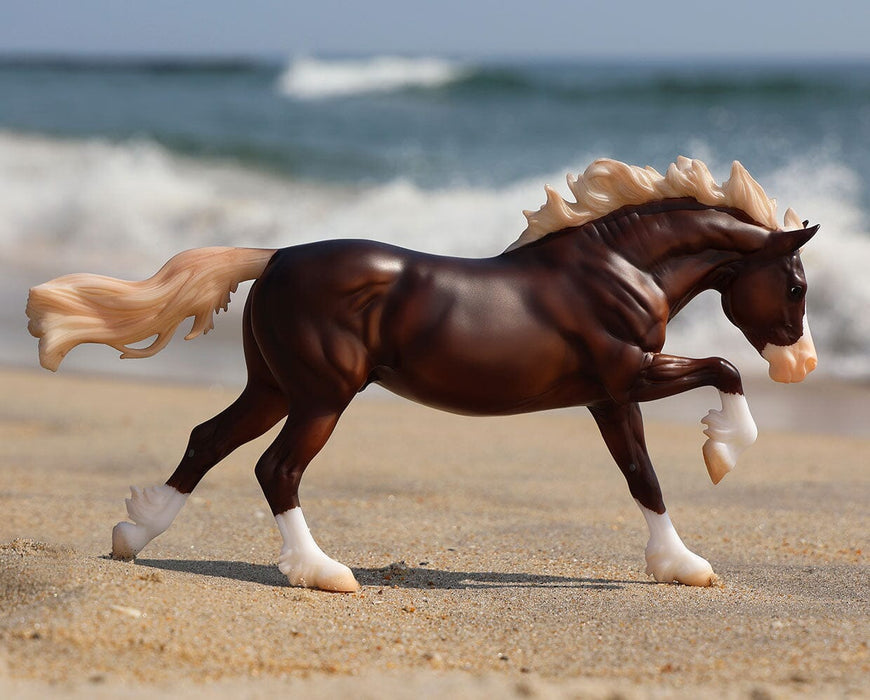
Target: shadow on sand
(397, 574)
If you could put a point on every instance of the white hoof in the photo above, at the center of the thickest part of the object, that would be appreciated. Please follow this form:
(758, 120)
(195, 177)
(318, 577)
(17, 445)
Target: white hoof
(304, 563)
(128, 540)
(729, 432)
(668, 559)
(152, 510)
(720, 459)
(318, 571)
(678, 564)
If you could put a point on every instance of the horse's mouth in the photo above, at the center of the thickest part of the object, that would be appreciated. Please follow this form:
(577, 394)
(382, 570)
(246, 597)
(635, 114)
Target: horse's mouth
(791, 363)
(791, 372)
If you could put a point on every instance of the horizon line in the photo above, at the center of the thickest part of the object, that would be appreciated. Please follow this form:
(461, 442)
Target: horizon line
(161, 56)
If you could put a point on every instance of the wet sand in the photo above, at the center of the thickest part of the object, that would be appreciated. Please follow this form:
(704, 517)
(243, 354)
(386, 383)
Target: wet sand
(497, 557)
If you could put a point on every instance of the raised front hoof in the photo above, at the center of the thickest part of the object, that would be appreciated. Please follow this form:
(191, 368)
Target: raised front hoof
(719, 458)
(324, 574)
(682, 566)
(127, 541)
(729, 432)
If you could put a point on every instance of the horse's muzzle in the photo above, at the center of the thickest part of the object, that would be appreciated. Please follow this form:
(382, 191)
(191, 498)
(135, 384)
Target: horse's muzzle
(792, 363)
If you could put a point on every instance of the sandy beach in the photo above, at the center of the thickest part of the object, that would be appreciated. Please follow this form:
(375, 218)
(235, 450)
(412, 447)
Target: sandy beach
(497, 557)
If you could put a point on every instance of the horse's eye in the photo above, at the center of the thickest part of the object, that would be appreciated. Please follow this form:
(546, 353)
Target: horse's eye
(796, 292)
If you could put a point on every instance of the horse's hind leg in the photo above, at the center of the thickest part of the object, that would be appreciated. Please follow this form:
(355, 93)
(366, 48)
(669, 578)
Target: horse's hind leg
(316, 353)
(260, 406)
(667, 558)
(279, 472)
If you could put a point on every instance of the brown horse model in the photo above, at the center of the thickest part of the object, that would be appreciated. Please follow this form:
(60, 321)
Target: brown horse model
(572, 314)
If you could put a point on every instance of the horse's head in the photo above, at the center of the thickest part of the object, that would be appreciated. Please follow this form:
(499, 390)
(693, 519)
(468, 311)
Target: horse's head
(766, 300)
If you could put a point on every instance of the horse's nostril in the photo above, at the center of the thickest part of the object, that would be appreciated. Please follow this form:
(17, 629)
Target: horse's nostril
(811, 364)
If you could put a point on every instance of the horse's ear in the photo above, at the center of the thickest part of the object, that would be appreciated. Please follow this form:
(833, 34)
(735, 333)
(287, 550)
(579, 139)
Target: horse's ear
(785, 242)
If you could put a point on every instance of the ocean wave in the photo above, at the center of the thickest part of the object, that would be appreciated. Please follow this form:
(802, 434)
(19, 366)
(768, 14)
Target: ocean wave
(312, 78)
(93, 200)
(124, 208)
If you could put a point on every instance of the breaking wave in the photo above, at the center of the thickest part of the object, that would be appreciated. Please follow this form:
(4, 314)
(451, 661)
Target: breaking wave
(312, 78)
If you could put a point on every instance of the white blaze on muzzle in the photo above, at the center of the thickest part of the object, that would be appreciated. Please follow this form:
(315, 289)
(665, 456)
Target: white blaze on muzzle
(792, 363)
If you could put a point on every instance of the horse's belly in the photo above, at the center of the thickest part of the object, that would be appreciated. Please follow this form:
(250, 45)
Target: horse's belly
(476, 403)
(478, 383)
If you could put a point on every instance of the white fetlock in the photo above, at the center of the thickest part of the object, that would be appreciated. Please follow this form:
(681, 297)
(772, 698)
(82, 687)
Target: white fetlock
(668, 559)
(729, 432)
(304, 563)
(152, 511)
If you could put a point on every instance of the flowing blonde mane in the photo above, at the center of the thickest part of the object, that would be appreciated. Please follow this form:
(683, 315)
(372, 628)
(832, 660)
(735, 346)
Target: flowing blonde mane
(608, 185)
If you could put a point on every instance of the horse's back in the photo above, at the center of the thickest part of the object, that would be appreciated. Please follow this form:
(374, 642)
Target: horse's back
(316, 271)
(331, 279)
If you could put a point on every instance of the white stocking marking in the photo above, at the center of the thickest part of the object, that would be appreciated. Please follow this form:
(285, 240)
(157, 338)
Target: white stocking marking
(152, 510)
(304, 563)
(730, 432)
(667, 558)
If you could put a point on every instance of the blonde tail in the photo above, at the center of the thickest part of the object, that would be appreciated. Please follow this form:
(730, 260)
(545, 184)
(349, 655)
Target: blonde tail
(85, 308)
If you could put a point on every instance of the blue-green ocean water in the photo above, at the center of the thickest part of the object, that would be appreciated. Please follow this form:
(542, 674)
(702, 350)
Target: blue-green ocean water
(437, 122)
(117, 164)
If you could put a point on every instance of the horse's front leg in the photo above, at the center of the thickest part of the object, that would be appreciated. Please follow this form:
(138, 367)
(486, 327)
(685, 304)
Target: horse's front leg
(729, 430)
(667, 558)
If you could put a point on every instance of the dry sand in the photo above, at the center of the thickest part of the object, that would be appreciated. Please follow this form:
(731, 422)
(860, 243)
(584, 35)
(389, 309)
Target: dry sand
(498, 558)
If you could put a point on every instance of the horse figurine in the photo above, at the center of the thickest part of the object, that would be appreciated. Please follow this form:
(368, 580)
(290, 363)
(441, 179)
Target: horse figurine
(572, 314)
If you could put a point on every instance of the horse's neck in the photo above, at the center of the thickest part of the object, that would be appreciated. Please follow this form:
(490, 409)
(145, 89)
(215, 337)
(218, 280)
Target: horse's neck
(682, 278)
(691, 250)
(686, 246)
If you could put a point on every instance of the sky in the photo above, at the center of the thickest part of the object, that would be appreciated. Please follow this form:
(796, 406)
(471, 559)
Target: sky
(792, 29)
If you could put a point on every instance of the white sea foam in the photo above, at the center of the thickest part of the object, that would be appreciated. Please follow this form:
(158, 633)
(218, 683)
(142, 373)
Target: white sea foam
(132, 204)
(123, 209)
(312, 78)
